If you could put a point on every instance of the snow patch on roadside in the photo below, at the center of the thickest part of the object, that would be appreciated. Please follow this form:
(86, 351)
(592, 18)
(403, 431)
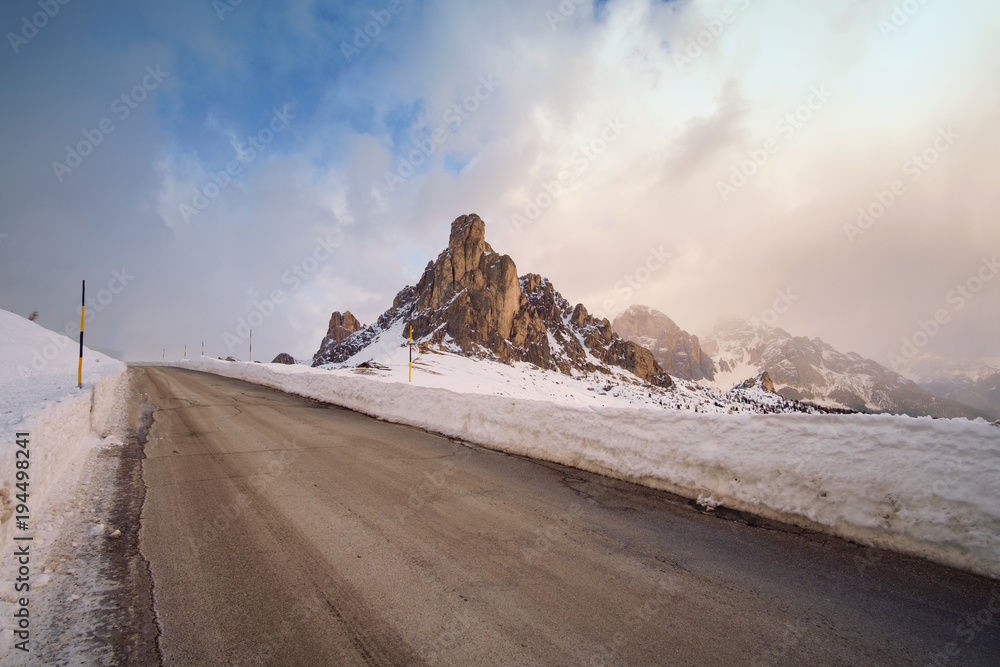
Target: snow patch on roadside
(39, 396)
(914, 485)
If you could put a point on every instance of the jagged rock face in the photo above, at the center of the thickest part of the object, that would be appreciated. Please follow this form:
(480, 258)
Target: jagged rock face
(471, 300)
(806, 369)
(340, 328)
(569, 325)
(677, 351)
(284, 358)
(762, 380)
(470, 294)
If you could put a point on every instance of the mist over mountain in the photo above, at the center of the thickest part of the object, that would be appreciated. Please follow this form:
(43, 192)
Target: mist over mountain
(974, 383)
(677, 351)
(812, 370)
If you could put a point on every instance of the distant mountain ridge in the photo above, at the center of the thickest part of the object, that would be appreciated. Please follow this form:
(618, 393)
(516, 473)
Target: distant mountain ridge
(807, 369)
(677, 351)
(801, 369)
(973, 383)
(471, 302)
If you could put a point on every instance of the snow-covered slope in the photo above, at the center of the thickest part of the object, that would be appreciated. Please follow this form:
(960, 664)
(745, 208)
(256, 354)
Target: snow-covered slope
(916, 485)
(471, 300)
(39, 396)
(386, 359)
(812, 370)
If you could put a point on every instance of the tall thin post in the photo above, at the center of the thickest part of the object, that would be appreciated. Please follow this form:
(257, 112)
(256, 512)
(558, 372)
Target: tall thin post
(411, 354)
(83, 313)
(251, 345)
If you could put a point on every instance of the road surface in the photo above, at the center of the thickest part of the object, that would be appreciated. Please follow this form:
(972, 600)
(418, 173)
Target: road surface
(280, 530)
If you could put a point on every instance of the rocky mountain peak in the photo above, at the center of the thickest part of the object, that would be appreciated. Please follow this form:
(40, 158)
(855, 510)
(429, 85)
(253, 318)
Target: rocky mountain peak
(677, 351)
(341, 326)
(761, 381)
(470, 300)
(468, 232)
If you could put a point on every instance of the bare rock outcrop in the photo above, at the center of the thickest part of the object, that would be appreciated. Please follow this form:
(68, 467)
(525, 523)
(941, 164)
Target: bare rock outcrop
(470, 300)
(677, 351)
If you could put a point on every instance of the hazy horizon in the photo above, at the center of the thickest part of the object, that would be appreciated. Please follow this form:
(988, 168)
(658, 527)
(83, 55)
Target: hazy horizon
(699, 158)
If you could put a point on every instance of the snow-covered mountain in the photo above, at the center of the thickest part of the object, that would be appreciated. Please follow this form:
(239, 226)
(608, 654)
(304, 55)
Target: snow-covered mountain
(471, 301)
(479, 327)
(811, 370)
(974, 383)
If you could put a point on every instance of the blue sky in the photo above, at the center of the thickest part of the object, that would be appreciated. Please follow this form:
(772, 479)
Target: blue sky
(643, 108)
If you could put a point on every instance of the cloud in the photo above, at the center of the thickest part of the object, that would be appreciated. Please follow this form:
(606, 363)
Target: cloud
(682, 128)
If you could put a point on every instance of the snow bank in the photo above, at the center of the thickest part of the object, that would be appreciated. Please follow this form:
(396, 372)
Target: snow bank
(39, 395)
(920, 486)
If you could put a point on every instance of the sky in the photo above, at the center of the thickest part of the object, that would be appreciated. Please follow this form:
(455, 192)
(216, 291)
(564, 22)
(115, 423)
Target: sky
(827, 168)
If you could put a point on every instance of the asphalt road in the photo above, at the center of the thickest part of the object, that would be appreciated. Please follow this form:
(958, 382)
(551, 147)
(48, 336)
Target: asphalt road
(280, 530)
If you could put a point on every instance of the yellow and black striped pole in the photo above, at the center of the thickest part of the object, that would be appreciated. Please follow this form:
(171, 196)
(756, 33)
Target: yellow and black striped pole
(250, 358)
(83, 313)
(411, 354)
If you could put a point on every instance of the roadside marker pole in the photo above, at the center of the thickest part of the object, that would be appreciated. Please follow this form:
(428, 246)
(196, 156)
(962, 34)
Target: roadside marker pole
(251, 346)
(83, 313)
(411, 354)
(185, 351)
(203, 348)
